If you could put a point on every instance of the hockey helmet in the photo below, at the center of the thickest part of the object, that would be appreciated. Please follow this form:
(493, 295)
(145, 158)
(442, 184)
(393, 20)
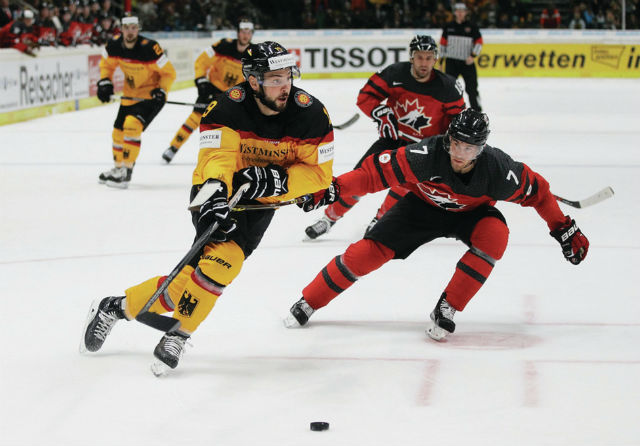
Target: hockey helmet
(470, 126)
(245, 23)
(423, 43)
(260, 58)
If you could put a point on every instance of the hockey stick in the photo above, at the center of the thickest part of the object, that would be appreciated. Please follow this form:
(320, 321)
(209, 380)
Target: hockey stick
(190, 104)
(602, 195)
(167, 323)
(348, 123)
(254, 207)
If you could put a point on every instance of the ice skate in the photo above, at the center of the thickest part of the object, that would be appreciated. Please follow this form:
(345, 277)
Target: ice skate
(117, 177)
(299, 314)
(103, 315)
(169, 154)
(168, 352)
(371, 224)
(319, 228)
(442, 319)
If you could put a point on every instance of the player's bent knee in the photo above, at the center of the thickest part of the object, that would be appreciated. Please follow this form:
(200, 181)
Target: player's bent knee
(221, 262)
(365, 256)
(132, 126)
(490, 236)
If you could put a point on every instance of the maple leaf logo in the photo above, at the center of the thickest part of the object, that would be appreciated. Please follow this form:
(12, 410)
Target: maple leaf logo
(410, 114)
(441, 199)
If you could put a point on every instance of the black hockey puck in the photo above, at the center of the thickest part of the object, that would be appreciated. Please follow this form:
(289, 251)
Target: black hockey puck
(319, 426)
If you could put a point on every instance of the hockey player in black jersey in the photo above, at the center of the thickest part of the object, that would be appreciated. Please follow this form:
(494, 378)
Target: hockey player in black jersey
(454, 181)
(408, 101)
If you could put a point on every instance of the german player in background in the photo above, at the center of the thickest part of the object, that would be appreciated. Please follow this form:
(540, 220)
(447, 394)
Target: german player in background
(461, 43)
(455, 179)
(408, 101)
(148, 74)
(217, 69)
(265, 132)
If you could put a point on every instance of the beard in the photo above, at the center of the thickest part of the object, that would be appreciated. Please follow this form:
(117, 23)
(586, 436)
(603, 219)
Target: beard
(272, 104)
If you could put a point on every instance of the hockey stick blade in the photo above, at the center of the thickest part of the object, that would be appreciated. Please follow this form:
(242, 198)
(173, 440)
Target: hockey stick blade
(347, 123)
(257, 207)
(596, 198)
(158, 321)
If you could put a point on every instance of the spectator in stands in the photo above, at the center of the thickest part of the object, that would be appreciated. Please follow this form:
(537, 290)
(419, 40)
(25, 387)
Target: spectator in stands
(6, 13)
(577, 22)
(550, 17)
(20, 34)
(105, 30)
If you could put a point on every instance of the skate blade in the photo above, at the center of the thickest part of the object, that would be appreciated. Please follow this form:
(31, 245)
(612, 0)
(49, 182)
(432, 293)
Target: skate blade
(291, 322)
(92, 312)
(436, 333)
(117, 185)
(159, 368)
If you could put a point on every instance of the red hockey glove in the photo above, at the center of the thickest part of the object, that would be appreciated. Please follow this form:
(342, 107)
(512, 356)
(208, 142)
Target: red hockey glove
(322, 197)
(386, 120)
(573, 242)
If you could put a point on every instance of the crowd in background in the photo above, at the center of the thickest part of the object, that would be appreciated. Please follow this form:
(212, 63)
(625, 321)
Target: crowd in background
(26, 26)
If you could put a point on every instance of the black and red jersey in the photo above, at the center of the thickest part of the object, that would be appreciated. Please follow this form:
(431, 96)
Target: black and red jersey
(425, 169)
(422, 108)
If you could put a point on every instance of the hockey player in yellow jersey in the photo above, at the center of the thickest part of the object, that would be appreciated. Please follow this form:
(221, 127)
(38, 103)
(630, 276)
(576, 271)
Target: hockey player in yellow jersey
(217, 68)
(148, 74)
(265, 132)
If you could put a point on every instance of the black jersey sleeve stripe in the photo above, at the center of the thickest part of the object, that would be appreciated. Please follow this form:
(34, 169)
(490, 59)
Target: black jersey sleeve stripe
(376, 163)
(397, 170)
(382, 92)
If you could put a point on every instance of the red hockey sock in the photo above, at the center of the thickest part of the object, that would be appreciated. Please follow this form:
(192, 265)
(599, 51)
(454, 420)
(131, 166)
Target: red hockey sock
(358, 260)
(337, 210)
(488, 243)
(395, 193)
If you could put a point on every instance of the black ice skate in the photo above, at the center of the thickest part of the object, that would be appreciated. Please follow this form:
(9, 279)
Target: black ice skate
(169, 154)
(299, 315)
(371, 224)
(168, 352)
(319, 228)
(117, 177)
(442, 317)
(103, 315)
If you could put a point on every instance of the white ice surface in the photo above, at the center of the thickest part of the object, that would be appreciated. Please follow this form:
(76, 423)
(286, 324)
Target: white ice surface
(546, 353)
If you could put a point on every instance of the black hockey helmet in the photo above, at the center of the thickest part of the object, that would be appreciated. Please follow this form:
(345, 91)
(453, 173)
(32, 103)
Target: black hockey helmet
(259, 58)
(470, 126)
(423, 43)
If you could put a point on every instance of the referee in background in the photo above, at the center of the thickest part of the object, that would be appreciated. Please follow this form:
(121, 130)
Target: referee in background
(460, 43)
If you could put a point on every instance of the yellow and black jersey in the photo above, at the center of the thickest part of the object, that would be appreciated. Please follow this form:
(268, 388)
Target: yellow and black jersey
(234, 134)
(221, 64)
(145, 67)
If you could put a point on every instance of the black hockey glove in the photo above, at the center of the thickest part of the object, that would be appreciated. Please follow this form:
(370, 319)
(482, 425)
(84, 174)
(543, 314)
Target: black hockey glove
(573, 242)
(267, 181)
(205, 88)
(386, 120)
(105, 89)
(322, 197)
(216, 210)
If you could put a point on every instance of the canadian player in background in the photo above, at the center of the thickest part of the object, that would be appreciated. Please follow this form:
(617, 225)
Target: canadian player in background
(454, 181)
(148, 74)
(217, 69)
(408, 101)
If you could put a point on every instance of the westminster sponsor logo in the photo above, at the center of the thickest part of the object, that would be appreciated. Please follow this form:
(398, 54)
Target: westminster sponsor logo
(210, 139)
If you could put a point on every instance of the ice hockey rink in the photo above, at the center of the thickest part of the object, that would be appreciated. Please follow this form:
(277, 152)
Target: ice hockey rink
(546, 353)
